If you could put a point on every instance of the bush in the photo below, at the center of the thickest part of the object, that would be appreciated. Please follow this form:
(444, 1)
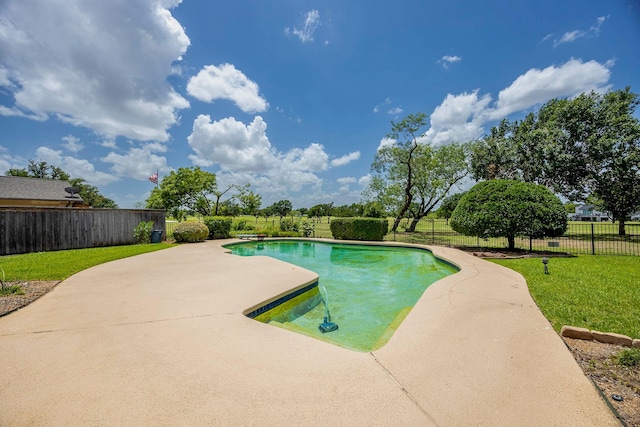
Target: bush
(508, 208)
(308, 227)
(241, 225)
(190, 232)
(359, 228)
(219, 227)
(142, 232)
(288, 224)
(629, 357)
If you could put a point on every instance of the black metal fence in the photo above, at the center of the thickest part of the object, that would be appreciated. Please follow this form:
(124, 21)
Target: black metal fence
(580, 238)
(24, 230)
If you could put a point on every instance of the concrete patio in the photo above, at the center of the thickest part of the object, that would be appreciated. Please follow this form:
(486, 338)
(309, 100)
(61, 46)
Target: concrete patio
(161, 339)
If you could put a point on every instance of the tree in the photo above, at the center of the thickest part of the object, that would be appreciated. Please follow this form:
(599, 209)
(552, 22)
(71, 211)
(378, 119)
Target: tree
(89, 194)
(373, 210)
(394, 164)
(448, 205)
(187, 189)
(250, 203)
(495, 156)
(282, 208)
(323, 209)
(216, 203)
(580, 147)
(412, 177)
(437, 173)
(509, 208)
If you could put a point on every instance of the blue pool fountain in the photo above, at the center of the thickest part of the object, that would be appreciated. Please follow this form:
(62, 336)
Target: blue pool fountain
(327, 325)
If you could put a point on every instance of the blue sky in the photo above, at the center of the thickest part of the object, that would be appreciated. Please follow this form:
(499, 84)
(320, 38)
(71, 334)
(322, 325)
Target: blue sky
(291, 96)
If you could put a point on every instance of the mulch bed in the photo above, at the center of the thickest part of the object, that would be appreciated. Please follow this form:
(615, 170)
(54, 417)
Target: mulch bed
(32, 291)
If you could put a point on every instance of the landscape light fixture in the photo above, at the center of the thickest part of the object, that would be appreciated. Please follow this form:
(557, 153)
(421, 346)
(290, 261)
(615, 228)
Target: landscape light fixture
(545, 262)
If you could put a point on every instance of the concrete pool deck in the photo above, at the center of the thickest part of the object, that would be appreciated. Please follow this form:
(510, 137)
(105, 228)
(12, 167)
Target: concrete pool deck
(161, 339)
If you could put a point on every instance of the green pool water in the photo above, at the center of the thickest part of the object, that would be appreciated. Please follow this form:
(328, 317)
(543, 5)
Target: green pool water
(371, 288)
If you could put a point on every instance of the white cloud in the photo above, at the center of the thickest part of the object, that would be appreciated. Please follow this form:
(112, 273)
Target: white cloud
(83, 64)
(447, 60)
(72, 144)
(233, 145)
(245, 154)
(386, 142)
(347, 180)
(538, 86)
(346, 159)
(364, 181)
(8, 161)
(461, 118)
(226, 82)
(571, 36)
(77, 168)
(392, 111)
(138, 163)
(311, 23)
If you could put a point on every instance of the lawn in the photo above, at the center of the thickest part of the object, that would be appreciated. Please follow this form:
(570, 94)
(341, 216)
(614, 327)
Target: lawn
(59, 265)
(594, 292)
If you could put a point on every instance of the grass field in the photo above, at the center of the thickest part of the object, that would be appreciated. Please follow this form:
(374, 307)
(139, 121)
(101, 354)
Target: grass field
(59, 265)
(594, 292)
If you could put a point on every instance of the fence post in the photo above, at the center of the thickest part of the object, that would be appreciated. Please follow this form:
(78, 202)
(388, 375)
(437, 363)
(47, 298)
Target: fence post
(593, 241)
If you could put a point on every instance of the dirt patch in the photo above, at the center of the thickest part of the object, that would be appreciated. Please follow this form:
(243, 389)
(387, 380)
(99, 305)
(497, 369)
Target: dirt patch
(32, 291)
(598, 362)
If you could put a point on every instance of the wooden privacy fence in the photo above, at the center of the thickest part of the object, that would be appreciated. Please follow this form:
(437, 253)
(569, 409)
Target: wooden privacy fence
(24, 230)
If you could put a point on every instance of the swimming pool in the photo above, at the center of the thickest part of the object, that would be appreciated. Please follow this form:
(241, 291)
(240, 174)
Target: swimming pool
(371, 288)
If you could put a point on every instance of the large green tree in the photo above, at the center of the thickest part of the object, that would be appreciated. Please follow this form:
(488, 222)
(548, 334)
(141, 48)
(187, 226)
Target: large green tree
(187, 189)
(90, 194)
(410, 177)
(448, 205)
(588, 146)
(509, 208)
(320, 210)
(281, 208)
(250, 203)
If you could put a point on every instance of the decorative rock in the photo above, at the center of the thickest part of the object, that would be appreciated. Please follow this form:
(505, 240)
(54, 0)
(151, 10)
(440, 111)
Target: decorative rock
(636, 344)
(611, 338)
(577, 333)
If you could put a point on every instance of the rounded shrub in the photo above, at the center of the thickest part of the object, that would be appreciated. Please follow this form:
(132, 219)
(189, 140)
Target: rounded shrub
(509, 208)
(190, 232)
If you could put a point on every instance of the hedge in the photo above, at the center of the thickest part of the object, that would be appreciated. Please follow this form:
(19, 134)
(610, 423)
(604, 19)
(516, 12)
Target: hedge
(359, 228)
(219, 227)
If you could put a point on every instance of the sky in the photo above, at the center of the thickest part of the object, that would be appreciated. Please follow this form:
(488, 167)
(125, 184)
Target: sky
(291, 96)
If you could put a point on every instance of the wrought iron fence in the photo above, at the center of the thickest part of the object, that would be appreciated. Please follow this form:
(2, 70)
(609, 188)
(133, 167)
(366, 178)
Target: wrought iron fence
(580, 238)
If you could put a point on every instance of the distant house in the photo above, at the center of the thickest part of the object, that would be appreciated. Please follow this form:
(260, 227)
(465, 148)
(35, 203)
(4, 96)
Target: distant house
(589, 213)
(36, 192)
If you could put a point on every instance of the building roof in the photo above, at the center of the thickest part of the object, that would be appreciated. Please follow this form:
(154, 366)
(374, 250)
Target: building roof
(21, 188)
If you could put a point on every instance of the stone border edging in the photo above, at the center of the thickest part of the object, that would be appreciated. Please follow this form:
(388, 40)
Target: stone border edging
(604, 337)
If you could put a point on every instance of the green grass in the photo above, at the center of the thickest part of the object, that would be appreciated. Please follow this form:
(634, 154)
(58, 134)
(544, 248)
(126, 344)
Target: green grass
(594, 292)
(629, 357)
(59, 265)
(11, 290)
